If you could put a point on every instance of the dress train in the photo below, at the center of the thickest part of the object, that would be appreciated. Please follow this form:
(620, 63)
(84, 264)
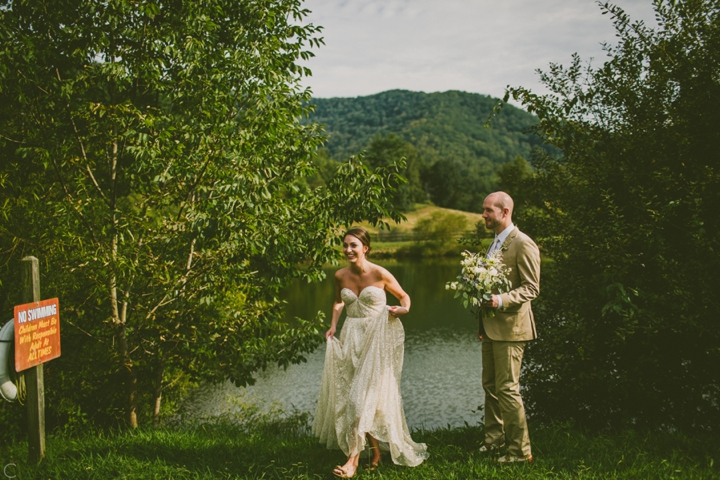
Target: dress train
(360, 388)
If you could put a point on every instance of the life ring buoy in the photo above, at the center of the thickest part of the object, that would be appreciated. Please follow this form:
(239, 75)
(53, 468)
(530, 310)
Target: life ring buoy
(8, 390)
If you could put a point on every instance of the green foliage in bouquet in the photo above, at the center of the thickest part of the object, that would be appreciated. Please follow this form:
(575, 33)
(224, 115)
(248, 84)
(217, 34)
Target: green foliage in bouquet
(480, 277)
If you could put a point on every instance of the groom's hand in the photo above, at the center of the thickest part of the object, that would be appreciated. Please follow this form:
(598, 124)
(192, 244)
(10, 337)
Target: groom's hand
(493, 303)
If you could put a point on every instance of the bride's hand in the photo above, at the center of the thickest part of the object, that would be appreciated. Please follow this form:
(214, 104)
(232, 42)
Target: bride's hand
(396, 311)
(330, 333)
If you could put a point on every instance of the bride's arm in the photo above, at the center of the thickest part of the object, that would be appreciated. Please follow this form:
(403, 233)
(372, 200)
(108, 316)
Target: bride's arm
(338, 306)
(392, 286)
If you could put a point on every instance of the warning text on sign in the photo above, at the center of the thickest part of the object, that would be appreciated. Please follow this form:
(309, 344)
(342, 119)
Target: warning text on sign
(37, 333)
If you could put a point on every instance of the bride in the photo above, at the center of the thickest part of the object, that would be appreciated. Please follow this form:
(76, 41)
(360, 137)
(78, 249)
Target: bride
(360, 397)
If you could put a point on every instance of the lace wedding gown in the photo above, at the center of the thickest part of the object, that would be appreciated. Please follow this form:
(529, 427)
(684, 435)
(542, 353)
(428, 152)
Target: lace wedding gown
(360, 390)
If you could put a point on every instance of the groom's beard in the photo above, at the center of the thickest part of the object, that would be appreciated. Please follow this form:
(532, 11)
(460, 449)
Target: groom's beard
(491, 224)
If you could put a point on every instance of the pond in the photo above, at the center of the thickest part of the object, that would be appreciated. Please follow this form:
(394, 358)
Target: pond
(441, 374)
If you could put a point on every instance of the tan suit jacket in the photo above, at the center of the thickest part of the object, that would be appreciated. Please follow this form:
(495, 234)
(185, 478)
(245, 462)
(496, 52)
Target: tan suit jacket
(514, 322)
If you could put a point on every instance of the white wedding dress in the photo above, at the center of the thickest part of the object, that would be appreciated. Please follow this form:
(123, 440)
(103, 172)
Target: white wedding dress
(360, 390)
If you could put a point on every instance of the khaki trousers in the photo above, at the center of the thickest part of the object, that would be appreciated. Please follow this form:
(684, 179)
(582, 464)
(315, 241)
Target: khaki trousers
(504, 409)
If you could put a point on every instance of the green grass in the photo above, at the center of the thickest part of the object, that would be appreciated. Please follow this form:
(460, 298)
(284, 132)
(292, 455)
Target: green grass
(409, 248)
(279, 450)
(422, 211)
(382, 246)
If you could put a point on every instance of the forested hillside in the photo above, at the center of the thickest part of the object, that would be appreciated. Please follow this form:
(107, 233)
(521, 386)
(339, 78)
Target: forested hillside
(457, 158)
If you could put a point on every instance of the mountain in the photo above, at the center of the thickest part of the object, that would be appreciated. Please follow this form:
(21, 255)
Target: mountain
(447, 130)
(437, 124)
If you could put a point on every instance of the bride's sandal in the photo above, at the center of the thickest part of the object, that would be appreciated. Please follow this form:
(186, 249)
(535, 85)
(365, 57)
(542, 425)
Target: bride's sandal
(340, 472)
(373, 465)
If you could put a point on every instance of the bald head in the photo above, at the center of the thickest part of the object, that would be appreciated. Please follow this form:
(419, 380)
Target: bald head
(502, 201)
(497, 211)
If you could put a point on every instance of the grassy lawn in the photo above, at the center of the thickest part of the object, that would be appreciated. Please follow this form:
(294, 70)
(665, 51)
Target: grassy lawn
(421, 211)
(280, 450)
(377, 245)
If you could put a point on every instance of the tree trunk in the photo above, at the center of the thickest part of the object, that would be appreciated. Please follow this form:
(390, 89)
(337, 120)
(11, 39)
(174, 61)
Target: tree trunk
(157, 400)
(119, 320)
(130, 377)
(119, 315)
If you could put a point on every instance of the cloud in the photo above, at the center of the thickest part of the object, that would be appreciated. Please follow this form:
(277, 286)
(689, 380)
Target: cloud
(472, 45)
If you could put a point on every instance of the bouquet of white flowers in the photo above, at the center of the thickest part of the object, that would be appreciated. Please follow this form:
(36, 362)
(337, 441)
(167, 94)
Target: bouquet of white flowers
(480, 275)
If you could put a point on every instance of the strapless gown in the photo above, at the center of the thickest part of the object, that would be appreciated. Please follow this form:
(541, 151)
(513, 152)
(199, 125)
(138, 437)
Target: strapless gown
(360, 389)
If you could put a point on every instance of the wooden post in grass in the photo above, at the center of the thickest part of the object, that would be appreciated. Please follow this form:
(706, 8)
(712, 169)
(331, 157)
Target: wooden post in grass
(34, 380)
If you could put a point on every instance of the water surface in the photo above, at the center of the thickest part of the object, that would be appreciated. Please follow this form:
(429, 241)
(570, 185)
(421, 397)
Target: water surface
(441, 374)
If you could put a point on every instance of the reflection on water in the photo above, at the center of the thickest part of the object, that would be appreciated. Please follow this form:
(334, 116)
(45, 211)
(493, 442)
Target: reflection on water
(441, 375)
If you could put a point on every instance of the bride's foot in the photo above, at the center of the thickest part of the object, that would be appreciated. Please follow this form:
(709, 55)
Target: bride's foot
(346, 471)
(376, 455)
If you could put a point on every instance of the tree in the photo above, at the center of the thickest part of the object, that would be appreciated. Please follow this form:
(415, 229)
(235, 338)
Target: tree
(454, 186)
(153, 157)
(385, 151)
(325, 169)
(440, 227)
(629, 312)
(458, 158)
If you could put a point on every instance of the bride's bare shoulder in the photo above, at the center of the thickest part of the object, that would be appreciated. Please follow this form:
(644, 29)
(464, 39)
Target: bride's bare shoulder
(342, 273)
(380, 273)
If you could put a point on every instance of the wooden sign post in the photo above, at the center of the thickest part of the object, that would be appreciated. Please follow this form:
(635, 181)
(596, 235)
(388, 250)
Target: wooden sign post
(34, 379)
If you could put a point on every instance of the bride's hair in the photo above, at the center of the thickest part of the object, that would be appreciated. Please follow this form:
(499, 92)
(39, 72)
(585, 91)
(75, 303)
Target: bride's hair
(362, 235)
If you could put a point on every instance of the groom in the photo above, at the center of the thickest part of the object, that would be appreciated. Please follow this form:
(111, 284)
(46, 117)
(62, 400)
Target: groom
(504, 335)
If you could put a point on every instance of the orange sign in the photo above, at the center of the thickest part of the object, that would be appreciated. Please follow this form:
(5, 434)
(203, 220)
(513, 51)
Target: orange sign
(37, 333)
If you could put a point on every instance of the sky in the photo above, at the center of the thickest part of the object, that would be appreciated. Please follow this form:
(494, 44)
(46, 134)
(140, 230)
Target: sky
(478, 46)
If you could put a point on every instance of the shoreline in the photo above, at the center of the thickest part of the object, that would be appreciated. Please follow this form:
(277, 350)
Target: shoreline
(412, 249)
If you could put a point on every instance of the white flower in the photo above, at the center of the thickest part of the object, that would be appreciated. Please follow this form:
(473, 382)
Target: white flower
(479, 276)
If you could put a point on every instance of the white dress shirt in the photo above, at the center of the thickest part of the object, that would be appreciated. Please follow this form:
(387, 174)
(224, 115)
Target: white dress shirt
(497, 243)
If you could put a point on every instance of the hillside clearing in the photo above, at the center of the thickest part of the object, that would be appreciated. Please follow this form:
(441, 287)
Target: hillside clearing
(424, 211)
